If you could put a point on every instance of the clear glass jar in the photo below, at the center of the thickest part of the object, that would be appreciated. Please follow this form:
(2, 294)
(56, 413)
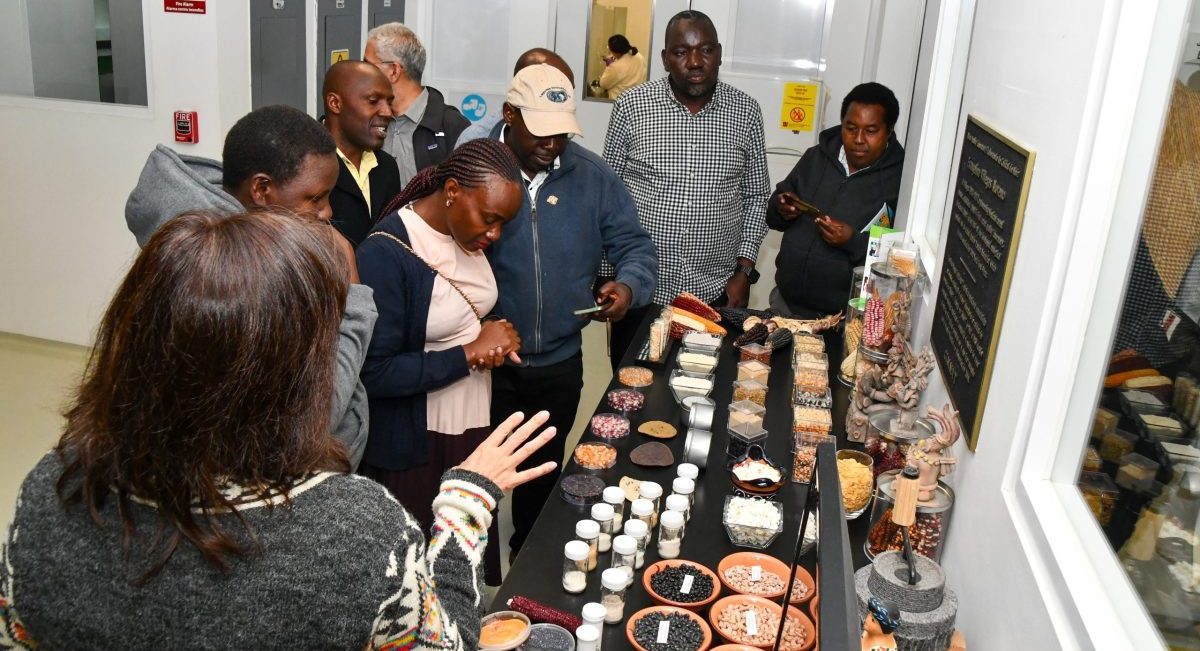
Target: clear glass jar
(604, 514)
(689, 470)
(587, 638)
(751, 390)
(640, 532)
(593, 615)
(851, 338)
(624, 556)
(928, 532)
(588, 531)
(743, 412)
(642, 509)
(687, 488)
(652, 491)
(887, 289)
(615, 497)
(678, 503)
(575, 558)
(612, 595)
(670, 534)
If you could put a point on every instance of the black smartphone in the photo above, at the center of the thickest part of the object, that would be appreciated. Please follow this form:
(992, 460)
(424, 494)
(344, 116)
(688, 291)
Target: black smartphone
(592, 310)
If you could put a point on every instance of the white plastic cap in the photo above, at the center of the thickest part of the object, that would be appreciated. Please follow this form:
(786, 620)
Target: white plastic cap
(672, 519)
(650, 490)
(614, 495)
(592, 611)
(614, 578)
(603, 511)
(642, 507)
(587, 633)
(576, 550)
(689, 470)
(678, 503)
(624, 545)
(587, 529)
(635, 528)
(684, 485)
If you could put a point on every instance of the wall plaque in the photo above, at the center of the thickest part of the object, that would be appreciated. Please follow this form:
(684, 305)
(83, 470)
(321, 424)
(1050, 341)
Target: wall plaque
(981, 246)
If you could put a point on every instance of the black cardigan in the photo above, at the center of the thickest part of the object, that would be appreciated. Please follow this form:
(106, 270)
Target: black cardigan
(350, 214)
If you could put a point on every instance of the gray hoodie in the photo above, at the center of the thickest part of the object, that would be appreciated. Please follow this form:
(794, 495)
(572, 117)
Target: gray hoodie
(171, 184)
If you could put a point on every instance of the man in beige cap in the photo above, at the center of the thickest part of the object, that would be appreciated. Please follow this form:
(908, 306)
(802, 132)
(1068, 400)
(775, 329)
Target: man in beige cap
(545, 262)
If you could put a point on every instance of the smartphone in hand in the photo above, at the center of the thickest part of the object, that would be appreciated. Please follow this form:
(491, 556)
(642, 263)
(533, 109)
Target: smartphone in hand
(593, 309)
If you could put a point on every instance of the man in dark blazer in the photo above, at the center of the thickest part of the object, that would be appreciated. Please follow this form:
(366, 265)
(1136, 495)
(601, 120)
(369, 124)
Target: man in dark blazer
(357, 113)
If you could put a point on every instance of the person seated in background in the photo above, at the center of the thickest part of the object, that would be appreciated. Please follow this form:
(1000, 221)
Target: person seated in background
(849, 177)
(627, 68)
(574, 212)
(483, 128)
(423, 128)
(427, 371)
(358, 114)
(195, 499)
(280, 158)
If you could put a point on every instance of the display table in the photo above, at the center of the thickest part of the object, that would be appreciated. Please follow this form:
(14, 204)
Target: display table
(537, 570)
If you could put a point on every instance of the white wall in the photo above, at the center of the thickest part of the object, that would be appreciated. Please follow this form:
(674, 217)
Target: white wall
(69, 166)
(16, 76)
(1009, 85)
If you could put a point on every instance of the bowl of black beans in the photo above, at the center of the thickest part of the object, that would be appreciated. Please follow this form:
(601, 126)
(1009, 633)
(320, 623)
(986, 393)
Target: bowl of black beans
(681, 583)
(666, 628)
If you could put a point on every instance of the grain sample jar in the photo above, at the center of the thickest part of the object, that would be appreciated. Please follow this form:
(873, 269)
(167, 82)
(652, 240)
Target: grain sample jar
(588, 531)
(851, 338)
(888, 292)
(745, 411)
(575, 560)
(751, 390)
(741, 437)
(615, 497)
(928, 532)
(670, 534)
(804, 455)
(603, 513)
(640, 532)
(624, 556)
(753, 370)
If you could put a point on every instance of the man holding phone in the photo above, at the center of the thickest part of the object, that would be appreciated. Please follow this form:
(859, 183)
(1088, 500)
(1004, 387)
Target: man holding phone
(828, 202)
(575, 211)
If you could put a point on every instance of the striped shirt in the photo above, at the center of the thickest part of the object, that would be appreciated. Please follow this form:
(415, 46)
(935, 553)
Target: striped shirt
(699, 180)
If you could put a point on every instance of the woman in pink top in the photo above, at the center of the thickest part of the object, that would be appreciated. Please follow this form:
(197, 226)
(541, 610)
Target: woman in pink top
(427, 372)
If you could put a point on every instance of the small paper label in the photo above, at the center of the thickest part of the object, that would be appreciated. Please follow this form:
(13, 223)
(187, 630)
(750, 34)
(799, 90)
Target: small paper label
(1170, 321)
(756, 573)
(664, 629)
(687, 584)
(751, 624)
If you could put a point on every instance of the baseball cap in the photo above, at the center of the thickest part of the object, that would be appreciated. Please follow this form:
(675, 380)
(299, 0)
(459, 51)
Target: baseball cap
(546, 99)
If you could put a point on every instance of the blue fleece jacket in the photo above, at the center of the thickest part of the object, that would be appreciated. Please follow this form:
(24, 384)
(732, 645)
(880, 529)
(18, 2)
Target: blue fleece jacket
(398, 372)
(547, 257)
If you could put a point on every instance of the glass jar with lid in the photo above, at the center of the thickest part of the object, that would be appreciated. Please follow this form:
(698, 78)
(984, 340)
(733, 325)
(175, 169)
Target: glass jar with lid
(928, 532)
(575, 560)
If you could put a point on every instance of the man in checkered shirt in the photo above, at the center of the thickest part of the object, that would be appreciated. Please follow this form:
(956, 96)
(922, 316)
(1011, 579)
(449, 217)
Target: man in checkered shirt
(691, 151)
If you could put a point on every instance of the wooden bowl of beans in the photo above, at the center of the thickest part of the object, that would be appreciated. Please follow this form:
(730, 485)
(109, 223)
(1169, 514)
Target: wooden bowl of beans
(753, 573)
(754, 621)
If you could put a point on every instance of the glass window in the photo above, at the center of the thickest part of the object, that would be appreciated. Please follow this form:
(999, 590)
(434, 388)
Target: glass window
(474, 51)
(759, 46)
(66, 49)
(1141, 470)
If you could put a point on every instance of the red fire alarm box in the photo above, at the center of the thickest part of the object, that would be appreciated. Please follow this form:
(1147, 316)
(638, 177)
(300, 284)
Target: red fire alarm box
(187, 127)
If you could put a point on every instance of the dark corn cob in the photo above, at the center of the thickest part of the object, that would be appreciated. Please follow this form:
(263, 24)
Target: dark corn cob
(755, 335)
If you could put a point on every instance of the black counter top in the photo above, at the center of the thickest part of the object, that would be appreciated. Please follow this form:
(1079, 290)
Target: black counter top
(537, 571)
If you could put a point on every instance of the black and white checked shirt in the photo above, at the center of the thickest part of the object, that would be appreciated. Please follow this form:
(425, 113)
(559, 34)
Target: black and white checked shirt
(700, 182)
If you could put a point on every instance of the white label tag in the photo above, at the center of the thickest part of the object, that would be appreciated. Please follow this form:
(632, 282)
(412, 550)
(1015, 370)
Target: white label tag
(756, 573)
(687, 584)
(751, 624)
(664, 629)
(1170, 321)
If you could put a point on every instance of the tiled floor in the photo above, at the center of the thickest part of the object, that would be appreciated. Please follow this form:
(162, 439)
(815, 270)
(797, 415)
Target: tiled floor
(37, 377)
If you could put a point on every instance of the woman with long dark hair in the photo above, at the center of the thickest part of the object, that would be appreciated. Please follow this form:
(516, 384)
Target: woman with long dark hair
(427, 371)
(627, 69)
(196, 498)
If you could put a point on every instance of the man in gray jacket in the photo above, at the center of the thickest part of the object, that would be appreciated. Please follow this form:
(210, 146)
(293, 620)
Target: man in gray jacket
(280, 157)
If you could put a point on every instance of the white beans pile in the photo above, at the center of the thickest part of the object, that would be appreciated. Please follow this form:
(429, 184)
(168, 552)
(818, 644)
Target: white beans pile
(732, 624)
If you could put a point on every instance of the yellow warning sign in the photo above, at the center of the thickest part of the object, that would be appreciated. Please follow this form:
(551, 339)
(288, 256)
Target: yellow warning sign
(799, 110)
(338, 55)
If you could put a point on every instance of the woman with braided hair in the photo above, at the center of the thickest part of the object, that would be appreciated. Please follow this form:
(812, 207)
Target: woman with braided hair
(427, 371)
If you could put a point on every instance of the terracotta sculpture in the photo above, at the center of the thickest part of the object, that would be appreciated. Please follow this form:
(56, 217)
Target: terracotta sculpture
(932, 457)
(883, 618)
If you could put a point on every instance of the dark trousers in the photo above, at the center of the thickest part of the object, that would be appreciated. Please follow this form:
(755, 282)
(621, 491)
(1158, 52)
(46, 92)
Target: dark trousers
(555, 389)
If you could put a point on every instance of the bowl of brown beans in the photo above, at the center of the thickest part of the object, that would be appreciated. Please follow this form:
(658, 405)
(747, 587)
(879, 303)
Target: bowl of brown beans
(734, 647)
(754, 621)
(753, 573)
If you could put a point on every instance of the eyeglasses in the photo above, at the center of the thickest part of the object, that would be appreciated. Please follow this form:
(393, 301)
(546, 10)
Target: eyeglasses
(384, 63)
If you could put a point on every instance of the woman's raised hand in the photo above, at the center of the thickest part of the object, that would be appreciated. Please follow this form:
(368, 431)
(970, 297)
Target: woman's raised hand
(507, 447)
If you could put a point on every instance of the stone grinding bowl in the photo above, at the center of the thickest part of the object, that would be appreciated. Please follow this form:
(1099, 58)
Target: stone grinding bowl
(705, 631)
(714, 615)
(654, 568)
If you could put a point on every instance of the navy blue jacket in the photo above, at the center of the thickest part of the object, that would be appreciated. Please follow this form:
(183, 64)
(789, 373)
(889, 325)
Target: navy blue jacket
(398, 372)
(547, 257)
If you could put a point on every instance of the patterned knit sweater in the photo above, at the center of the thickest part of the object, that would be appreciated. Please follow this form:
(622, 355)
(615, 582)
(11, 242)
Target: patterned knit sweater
(343, 566)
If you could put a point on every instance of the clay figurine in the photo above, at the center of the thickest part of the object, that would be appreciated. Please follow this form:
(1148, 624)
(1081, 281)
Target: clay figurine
(883, 618)
(932, 457)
